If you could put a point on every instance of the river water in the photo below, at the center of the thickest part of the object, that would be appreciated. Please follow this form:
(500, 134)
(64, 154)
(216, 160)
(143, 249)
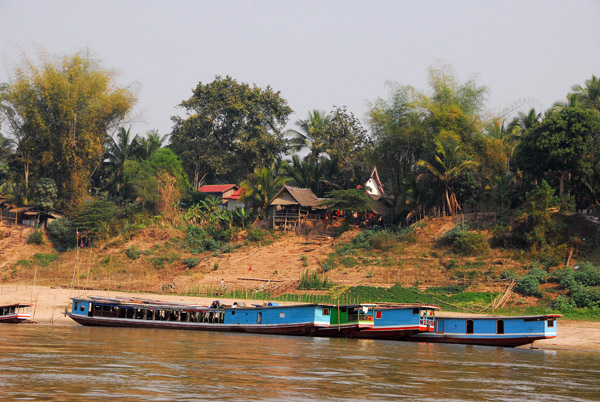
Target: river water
(71, 363)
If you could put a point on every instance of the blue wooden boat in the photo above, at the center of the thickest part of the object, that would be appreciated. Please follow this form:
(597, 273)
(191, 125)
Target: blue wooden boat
(15, 313)
(491, 330)
(398, 321)
(304, 319)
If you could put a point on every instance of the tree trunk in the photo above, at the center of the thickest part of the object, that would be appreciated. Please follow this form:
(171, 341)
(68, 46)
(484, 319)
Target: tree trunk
(561, 188)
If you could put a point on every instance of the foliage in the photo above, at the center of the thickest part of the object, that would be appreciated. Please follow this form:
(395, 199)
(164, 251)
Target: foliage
(529, 284)
(44, 259)
(141, 184)
(534, 227)
(160, 261)
(255, 235)
(562, 149)
(231, 129)
(466, 242)
(261, 187)
(94, 219)
(582, 283)
(62, 234)
(133, 252)
(191, 262)
(60, 113)
(36, 237)
(349, 201)
(314, 281)
(45, 194)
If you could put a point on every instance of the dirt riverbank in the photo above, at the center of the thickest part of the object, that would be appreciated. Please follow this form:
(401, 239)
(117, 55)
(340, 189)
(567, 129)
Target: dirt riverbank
(51, 303)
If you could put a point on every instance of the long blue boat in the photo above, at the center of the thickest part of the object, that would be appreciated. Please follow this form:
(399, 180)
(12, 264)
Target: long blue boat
(303, 319)
(491, 330)
(394, 321)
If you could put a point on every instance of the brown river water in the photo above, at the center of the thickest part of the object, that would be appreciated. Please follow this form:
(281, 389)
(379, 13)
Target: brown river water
(72, 363)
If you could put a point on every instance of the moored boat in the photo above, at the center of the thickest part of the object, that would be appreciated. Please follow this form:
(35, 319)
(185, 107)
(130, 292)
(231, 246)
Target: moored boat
(491, 330)
(15, 313)
(347, 320)
(303, 319)
(394, 321)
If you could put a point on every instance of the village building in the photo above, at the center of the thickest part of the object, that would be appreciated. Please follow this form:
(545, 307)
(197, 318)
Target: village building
(294, 208)
(232, 201)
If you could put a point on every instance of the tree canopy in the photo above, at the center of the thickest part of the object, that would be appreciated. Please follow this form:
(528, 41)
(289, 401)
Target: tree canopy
(231, 128)
(60, 113)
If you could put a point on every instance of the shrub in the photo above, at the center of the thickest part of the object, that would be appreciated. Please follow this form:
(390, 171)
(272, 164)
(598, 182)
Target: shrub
(191, 262)
(133, 253)
(382, 240)
(95, 218)
(255, 235)
(194, 237)
(463, 241)
(586, 297)
(529, 285)
(44, 259)
(62, 234)
(36, 237)
(313, 281)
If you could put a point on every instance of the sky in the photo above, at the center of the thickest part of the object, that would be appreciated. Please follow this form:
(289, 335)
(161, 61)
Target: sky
(317, 53)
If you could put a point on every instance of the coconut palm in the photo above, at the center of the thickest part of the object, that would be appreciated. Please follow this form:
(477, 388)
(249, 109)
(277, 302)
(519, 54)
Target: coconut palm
(305, 174)
(313, 134)
(588, 95)
(146, 147)
(446, 167)
(261, 187)
(119, 150)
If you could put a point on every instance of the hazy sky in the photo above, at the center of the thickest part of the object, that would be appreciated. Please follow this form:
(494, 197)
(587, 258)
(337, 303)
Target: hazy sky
(317, 53)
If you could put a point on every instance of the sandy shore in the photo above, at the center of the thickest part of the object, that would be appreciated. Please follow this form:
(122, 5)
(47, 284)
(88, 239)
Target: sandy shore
(51, 303)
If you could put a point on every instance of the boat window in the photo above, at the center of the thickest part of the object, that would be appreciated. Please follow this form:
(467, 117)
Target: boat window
(325, 311)
(378, 314)
(550, 323)
(233, 313)
(440, 326)
(259, 318)
(415, 311)
(500, 326)
(469, 326)
(82, 308)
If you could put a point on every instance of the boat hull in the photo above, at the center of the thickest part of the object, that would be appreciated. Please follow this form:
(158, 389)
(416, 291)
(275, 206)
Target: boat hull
(14, 318)
(483, 341)
(300, 329)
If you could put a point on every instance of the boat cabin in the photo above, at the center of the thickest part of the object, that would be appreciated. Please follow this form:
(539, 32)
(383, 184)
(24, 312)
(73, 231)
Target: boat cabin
(15, 313)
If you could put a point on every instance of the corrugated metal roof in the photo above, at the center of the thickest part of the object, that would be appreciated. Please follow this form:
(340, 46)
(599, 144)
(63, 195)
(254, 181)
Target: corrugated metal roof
(216, 188)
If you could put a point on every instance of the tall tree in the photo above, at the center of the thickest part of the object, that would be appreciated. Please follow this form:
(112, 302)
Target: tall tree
(313, 135)
(348, 145)
(588, 95)
(60, 113)
(230, 130)
(446, 167)
(563, 148)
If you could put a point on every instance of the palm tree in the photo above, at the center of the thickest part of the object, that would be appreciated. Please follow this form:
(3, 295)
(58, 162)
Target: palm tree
(589, 94)
(446, 168)
(146, 147)
(305, 174)
(261, 187)
(313, 134)
(120, 150)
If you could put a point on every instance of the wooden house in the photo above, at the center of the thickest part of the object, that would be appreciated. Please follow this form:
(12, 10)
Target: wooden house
(294, 207)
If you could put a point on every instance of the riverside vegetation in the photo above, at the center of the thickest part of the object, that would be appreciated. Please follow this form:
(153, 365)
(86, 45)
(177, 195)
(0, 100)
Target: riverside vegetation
(476, 201)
